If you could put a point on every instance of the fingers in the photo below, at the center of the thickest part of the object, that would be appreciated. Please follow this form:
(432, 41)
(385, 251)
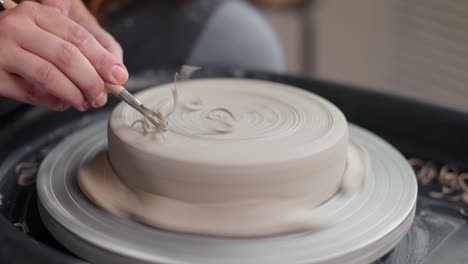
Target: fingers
(83, 17)
(73, 50)
(108, 42)
(38, 77)
(77, 11)
(108, 67)
(41, 73)
(69, 60)
(17, 88)
(62, 62)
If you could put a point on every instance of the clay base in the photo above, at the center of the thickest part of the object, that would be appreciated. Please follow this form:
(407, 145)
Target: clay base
(234, 219)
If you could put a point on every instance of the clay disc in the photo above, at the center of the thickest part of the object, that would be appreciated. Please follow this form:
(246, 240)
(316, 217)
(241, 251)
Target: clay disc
(284, 152)
(367, 224)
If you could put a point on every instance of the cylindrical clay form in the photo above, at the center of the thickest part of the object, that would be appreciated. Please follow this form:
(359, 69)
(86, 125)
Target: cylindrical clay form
(240, 158)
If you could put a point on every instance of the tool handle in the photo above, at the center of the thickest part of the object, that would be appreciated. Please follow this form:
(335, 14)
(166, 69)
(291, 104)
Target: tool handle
(8, 4)
(115, 89)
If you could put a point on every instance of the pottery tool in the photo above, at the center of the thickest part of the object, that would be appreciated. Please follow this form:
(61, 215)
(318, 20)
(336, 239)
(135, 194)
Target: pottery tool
(7, 4)
(153, 117)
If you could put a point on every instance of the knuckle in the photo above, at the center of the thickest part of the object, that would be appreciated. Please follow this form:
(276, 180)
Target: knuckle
(109, 41)
(63, 6)
(78, 35)
(104, 61)
(62, 3)
(26, 7)
(32, 93)
(118, 49)
(10, 24)
(94, 88)
(67, 53)
(54, 3)
(46, 74)
(9, 53)
(82, 20)
(107, 38)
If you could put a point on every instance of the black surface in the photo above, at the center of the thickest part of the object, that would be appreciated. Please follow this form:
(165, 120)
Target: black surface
(415, 128)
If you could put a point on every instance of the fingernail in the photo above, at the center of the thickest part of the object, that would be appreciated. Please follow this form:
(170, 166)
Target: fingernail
(119, 74)
(85, 105)
(100, 100)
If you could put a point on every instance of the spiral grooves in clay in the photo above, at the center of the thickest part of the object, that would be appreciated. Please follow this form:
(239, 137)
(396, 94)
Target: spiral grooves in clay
(252, 115)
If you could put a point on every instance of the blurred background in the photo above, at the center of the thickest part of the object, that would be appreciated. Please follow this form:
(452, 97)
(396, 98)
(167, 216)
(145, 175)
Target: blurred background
(416, 48)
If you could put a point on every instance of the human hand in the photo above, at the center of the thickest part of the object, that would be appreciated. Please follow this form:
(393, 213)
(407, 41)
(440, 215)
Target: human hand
(49, 60)
(77, 11)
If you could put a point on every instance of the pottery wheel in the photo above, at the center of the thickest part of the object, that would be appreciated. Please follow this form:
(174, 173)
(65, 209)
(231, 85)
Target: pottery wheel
(368, 224)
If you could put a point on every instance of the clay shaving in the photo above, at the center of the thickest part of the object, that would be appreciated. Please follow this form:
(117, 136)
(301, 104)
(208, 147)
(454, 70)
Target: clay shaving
(22, 226)
(454, 183)
(147, 128)
(26, 173)
(219, 126)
